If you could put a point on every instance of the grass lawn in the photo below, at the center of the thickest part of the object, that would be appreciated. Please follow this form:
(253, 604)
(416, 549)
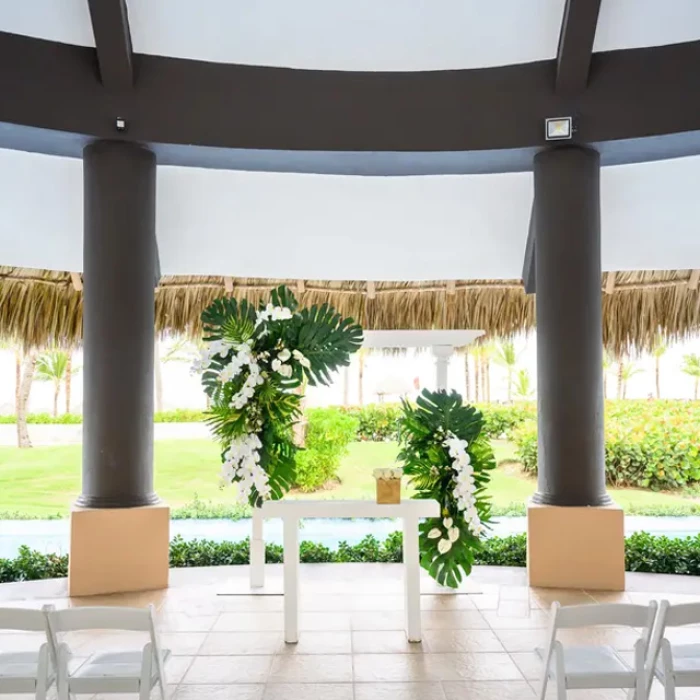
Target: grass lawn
(45, 480)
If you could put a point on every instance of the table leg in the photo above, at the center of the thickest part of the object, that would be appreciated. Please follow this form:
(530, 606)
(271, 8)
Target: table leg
(257, 551)
(411, 565)
(291, 580)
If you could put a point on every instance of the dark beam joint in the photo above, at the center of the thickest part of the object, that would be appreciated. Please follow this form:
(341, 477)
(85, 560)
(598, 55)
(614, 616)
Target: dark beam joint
(576, 38)
(529, 262)
(110, 25)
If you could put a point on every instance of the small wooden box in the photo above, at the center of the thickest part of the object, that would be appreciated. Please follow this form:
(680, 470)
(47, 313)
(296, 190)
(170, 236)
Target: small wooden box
(388, 490)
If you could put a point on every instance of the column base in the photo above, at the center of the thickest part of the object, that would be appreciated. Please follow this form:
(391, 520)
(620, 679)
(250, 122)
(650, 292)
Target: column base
(576, 547)
(116, 550)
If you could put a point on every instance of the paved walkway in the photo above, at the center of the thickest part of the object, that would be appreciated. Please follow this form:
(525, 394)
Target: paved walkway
(73, 434)
(477, 645)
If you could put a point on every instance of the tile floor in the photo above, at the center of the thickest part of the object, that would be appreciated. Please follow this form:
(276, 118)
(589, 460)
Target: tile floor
(476, 645)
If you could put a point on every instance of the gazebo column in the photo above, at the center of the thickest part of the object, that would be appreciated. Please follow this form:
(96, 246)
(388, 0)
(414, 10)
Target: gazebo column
(442, 354)
(119, 528)
(575, 532)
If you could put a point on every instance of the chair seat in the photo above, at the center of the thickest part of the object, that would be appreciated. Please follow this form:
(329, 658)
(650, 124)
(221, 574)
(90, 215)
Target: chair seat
(593, 667)
(686, 662)
(19, 664)
(114, 664)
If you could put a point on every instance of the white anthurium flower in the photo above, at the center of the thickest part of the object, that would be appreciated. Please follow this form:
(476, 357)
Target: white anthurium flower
(435, 533)
(285, 371)
(453, 534)
(301, 359)
(447, 522)
(284, 355)
(444, 546)
(276, 364)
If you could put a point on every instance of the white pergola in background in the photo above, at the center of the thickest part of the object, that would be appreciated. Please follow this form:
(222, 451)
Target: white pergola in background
(442, 343)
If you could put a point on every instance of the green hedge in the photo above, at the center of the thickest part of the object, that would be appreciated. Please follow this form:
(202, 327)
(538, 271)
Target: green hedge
(328, 434)
(648, 444)
(643, 552)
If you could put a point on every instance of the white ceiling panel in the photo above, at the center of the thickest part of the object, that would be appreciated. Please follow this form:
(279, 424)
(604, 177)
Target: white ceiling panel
(339, 227)
(67, 21)
(631, 24)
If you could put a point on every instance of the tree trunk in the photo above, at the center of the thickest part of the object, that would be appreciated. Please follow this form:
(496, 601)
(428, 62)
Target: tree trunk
(18, 379)
(657, 373)
(477, 383)
(158, 377)
(620, 381)
(56, 391)
(346, 385)
(28, 367)
(467, 378)
(360, 380)
(697, 382)
(69, 379)
(510, 385)
(487, 379)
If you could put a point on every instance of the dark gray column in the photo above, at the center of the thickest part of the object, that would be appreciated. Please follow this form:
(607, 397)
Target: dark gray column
(119, 264)
(571, 452)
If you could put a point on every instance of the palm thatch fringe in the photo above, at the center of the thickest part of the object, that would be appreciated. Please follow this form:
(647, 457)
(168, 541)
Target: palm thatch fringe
(40, 307)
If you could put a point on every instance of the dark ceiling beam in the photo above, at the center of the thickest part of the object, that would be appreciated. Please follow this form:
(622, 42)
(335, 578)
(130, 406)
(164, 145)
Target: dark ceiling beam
(529, 261)
(576, 45)
(110, 25)
(197, 110)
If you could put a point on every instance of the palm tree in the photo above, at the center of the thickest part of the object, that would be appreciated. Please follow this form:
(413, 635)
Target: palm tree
(508, 358)
(691, 367)
(626, 370)
(523, 385)
(52, 367)
(607, 362)
(361, 356)
(28, 367)
(177, 352)
(467, 374)
(658, 351)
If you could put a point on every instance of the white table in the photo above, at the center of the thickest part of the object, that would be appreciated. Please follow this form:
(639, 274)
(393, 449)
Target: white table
(410, 511)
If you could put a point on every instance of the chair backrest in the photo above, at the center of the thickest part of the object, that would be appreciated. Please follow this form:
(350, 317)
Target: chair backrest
(620, 614)
(23, 619)
(100, 618)
(683, 614)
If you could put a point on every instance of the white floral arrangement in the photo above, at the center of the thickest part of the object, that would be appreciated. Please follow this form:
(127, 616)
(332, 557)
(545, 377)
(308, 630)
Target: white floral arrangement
(448, 459)
(254, 360)
(388, 474)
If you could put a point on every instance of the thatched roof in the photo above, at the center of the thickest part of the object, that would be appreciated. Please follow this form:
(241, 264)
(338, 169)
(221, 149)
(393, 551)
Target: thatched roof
(40, 308)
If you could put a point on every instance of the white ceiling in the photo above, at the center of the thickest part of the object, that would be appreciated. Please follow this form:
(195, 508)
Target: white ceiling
(359, 34)
(342, 227)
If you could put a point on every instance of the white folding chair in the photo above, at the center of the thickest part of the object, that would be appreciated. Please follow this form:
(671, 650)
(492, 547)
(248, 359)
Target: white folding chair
(133, 671)
(26, 671)
(674, 665)
(599, 666)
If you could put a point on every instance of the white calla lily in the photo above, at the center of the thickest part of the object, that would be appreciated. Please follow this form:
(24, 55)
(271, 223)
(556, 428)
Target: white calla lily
(444, 546)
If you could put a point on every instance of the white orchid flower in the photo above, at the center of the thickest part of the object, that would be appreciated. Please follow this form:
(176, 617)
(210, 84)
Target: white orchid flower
(435, 533)
(444, 546)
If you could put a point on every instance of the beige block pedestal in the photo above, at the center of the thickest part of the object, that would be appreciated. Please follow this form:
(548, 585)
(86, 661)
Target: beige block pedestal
(576, 547)
(115, 550)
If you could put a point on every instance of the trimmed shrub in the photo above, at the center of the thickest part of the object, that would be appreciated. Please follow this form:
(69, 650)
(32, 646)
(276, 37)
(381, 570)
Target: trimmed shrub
(648, 444)
(501, 420)
(328, 434)
(376, 422)
(643, 552)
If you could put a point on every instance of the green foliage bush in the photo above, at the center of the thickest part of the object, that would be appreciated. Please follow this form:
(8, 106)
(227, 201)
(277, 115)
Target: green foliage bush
(501, 420)
(648, 444)
(328, 434)
(643, 552)
(376, 422)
